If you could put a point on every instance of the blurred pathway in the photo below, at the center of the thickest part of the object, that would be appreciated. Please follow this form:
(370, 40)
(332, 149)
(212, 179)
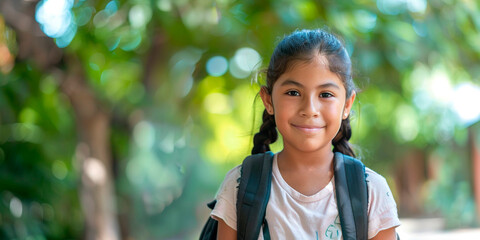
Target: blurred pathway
(432, 229)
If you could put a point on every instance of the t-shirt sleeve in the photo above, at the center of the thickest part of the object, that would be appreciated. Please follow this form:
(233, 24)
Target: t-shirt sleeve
(225, 208)
(382, 209)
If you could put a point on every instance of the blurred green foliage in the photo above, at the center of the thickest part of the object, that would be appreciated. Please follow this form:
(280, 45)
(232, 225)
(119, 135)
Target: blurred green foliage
(177, 126)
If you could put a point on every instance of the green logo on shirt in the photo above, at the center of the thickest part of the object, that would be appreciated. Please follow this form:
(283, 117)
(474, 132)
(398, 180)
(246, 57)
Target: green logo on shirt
(333, 231)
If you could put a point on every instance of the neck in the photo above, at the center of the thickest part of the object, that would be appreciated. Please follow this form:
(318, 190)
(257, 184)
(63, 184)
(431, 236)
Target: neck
(295, 159)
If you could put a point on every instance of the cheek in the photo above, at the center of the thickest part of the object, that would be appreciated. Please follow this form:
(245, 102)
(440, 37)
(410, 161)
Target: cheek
(333, 111)
(282, 105)
(284, 111)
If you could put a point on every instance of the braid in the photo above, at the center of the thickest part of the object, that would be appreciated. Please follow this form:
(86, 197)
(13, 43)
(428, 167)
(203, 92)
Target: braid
(266, 136)
(340, 142)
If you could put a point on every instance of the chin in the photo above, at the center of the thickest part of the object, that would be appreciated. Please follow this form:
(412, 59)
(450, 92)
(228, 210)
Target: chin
(308, 146)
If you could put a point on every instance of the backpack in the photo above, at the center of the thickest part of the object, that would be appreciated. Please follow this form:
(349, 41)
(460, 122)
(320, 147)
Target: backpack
(254, 192)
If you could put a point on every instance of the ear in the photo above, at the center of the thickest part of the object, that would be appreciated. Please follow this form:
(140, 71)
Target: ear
(348, 105)
(267, 100)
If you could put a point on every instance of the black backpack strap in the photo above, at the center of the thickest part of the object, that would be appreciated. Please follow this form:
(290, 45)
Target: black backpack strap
(266, 231)
(352, 197)
(209, 231)
(253, 194)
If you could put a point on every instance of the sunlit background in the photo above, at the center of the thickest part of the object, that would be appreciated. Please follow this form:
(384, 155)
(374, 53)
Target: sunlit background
(119, 119)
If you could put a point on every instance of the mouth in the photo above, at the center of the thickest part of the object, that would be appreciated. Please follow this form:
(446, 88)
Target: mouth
(307, 128)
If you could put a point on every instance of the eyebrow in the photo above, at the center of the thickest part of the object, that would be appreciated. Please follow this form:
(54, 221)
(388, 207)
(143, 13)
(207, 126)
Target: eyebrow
(295, 83)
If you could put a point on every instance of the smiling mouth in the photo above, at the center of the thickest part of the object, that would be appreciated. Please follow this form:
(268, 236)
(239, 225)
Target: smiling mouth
(307, 128)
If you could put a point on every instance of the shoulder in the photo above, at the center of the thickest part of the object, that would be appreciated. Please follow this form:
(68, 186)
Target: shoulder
(231, 180)
(226, 197)
(378, 189)
(375, 180)
(382, 209)
(234, 172)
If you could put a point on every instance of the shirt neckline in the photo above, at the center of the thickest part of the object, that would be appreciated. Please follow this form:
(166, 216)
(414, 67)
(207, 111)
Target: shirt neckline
(277, 176)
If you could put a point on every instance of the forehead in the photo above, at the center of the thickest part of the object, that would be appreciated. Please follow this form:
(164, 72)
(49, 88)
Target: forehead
(310, 73)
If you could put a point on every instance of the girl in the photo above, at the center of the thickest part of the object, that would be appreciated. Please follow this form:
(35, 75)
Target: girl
(308, 96)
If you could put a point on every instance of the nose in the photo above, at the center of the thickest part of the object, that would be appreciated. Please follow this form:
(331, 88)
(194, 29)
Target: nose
(310, 107)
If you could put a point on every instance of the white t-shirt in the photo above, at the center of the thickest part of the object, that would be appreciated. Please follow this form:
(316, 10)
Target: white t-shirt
(292, 215)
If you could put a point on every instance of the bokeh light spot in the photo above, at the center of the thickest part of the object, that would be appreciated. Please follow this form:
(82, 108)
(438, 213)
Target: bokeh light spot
(391, 7)
(16, 207)
(132, 43)
(113, 43)
(419, 28)
(95, 170)
(188, 84)
(193, 18)
(365, 20)
(418, 6)
(440, 87)
(183, 64)
(247, 59)
(407, 123)
(144, 135)
(106, 76)
(244, 62)
(28, 115)
(236, 71)
(25, 132)
(307, 9)
(56, 20)
(54, 16)
(139, 16)
(67, 36)
(466, 103)
(217, 66)
(167, 144)
(59, 169)
(164, 5)
(111, 8)
(101, 19)
(217, 103)
(48, 85)
(83, 15)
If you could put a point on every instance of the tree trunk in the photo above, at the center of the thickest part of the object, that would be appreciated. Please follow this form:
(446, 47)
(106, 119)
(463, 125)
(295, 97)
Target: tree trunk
(409, 178)
(93, 156)
(474, 146)
(96, 189)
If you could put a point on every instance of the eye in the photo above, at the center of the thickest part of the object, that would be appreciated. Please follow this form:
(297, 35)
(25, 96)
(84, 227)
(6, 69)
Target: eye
(293, 93)
(326, 95)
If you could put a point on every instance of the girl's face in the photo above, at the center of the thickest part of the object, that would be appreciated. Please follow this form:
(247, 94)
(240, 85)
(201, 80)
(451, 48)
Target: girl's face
(309, 103)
